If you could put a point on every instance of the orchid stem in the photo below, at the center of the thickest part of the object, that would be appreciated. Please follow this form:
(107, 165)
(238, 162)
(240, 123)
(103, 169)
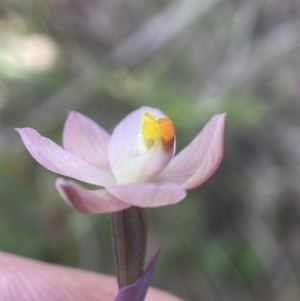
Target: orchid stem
(129, 232)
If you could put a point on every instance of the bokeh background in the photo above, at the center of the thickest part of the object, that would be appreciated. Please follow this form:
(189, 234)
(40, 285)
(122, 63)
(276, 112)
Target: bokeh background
(237, 237)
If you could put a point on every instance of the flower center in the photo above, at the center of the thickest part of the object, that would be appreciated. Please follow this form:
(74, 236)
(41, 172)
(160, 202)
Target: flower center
(154, 128)
(152, 153)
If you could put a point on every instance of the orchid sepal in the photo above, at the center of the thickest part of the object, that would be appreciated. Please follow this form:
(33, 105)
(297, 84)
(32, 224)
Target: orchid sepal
(200, 158)
(84, 138)
(89, 201)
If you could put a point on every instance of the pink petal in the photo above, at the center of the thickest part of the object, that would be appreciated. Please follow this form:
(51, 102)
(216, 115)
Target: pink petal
(148, 194)
(126, 132)
(56, 159)
(143, 167)
(199, 160)
(85, 139)
(88, 201)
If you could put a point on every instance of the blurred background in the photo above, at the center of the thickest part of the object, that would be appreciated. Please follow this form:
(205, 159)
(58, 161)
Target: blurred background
(237, 237)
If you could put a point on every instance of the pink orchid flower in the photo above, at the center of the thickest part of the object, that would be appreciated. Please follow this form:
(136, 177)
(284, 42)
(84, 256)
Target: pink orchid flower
(135, 165)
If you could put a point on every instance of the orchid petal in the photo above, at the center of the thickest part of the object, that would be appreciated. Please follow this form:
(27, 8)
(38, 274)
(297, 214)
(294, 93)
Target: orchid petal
(148, 194)
(86, 139)
(199, 160)
(139, 168)
(88, 201)
(138, 290)
(58, 160)
(126, 132)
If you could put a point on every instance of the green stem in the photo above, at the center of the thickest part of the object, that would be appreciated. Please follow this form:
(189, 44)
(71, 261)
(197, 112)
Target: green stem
(129, 232)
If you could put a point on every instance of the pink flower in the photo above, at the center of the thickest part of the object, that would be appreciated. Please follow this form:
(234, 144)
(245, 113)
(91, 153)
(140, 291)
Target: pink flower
(134, 165)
